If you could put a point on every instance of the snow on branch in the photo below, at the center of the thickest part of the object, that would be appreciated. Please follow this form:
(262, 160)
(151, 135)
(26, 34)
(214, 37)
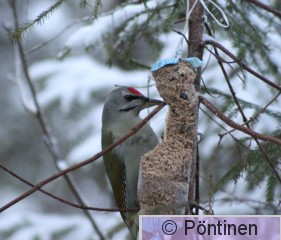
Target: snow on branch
(75, 78)
(88, 36)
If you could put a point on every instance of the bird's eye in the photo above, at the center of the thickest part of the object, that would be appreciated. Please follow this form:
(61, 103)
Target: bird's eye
(130, 97)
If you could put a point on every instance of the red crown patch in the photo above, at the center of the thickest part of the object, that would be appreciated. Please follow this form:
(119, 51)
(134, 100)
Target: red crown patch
(134, 91)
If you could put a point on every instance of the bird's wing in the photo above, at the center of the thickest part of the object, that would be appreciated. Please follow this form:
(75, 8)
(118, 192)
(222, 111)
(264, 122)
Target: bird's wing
(115, 170)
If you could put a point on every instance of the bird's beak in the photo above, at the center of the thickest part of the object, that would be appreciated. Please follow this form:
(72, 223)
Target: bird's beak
(149, 102)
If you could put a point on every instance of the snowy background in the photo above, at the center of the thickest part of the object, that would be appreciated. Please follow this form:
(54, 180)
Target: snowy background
(72, 85)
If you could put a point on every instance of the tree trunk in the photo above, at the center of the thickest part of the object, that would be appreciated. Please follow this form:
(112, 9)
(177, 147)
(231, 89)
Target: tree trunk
(195, 49)
(167, 174)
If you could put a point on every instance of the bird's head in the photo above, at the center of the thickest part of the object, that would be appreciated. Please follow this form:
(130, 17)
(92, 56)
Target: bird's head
(127, 101)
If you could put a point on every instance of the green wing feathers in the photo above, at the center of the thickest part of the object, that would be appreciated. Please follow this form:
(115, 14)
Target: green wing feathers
(116, 173)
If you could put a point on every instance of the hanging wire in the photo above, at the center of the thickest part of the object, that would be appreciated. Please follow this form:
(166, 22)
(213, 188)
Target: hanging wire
(179, 51)
(220, 10)
(185, 30)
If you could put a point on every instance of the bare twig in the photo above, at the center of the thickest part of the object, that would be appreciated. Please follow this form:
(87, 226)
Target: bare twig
(210, 176)
(251, 119)
(48, 139)
(266, 7)
(182, 34)
(266, 157)
(242, 64)
(39, 46)
(245, 120)
(219, 58)
(265, 107)
(233, 93)
(179, 21)
(226, 131)
(231, 123)
(233, 197)
(86, 162)
(213, 109)
(66, 201)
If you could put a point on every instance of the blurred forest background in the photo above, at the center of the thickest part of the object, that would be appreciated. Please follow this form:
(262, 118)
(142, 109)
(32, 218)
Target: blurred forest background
(76, 54)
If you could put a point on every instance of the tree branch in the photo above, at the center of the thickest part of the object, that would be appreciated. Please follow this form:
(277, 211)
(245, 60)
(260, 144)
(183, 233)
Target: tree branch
(245, 120)
(86, 162)
(48, 139)
(242, 64)
(223, 127)
(195, 49)
(231, 123)
(256, 114)
(64, 200)
(266, 7)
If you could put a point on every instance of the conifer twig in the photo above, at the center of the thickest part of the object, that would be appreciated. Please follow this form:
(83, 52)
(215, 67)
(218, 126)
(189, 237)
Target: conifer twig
(233, 124)
(48, 139)
(245, 120)
(246, 130)
(17, 34)
(242, 64)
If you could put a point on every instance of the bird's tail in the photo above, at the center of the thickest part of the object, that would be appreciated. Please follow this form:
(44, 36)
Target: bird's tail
(134, 230)
(132, 222)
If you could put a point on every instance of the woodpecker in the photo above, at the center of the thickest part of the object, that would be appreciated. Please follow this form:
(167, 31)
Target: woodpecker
(120, 114)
